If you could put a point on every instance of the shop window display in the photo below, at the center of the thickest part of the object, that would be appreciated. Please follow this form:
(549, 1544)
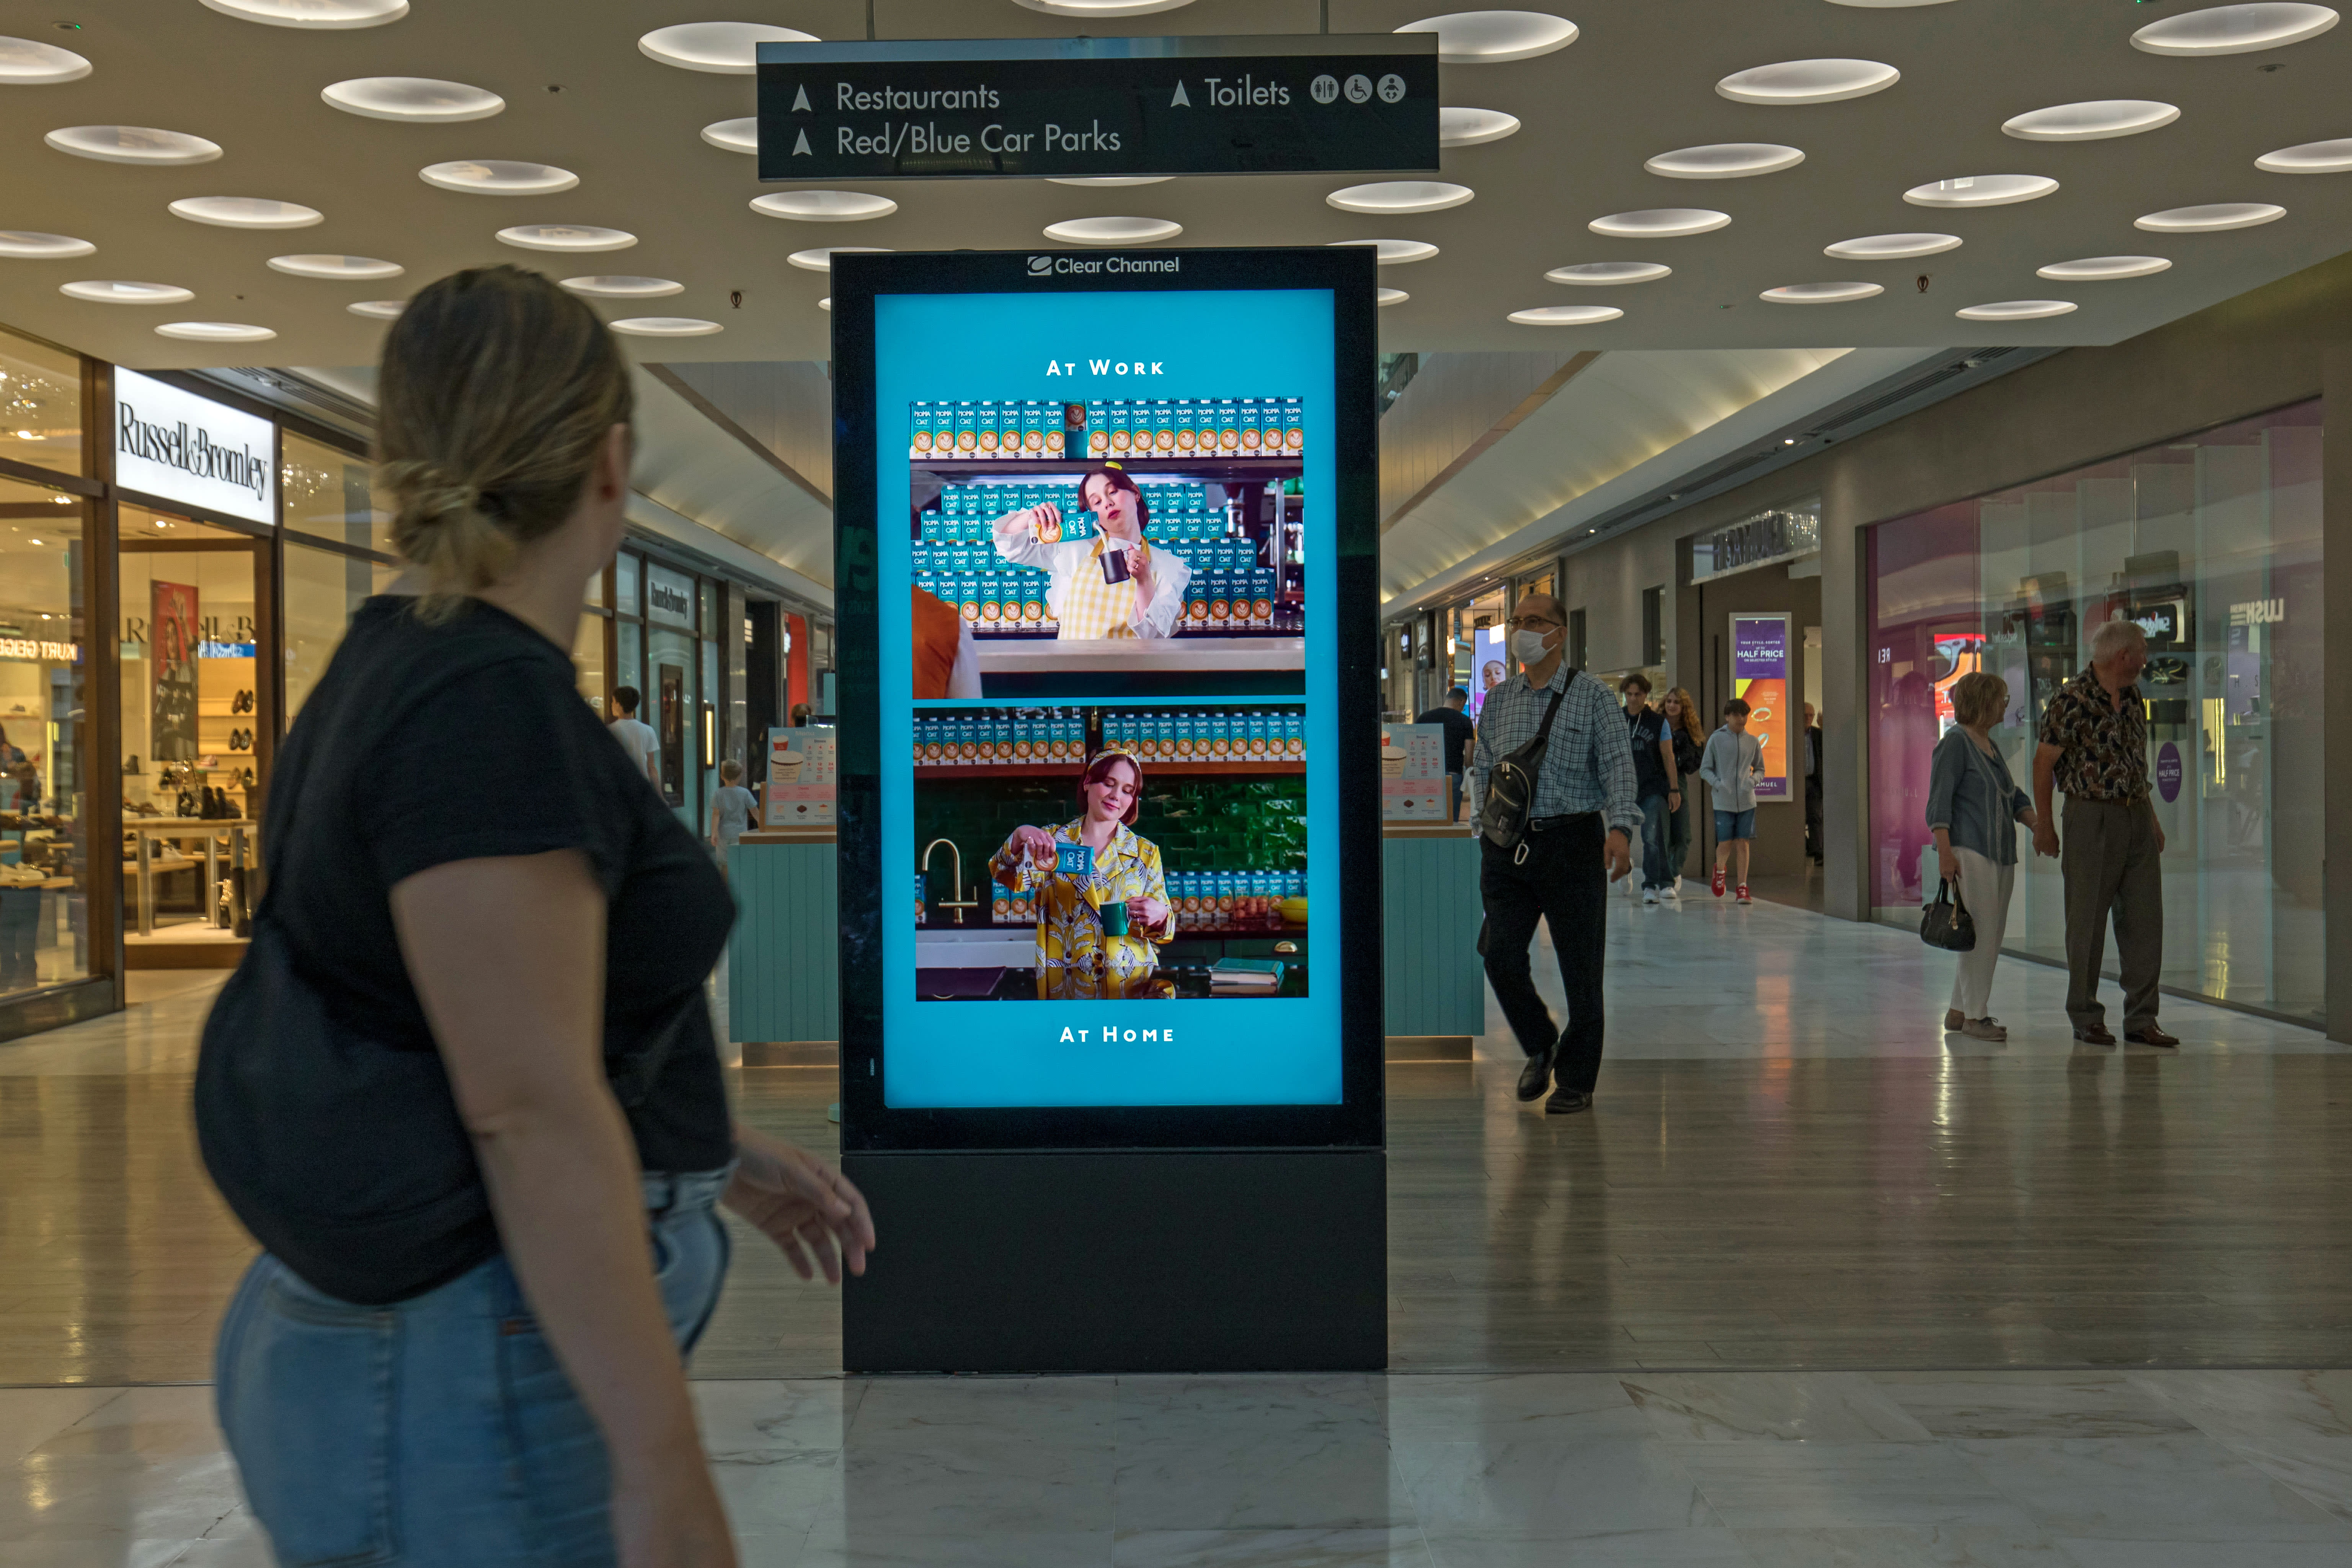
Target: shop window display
(40, 405)
(330, 494)
(2211, 542)
(324, 589)
(43, 861)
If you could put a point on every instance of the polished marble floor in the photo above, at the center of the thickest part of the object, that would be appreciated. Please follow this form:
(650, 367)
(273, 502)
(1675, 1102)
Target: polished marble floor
(1812, 1284)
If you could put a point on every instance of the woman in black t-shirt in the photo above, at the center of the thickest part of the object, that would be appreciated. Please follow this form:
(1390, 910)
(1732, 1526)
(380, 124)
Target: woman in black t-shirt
(465, 1088)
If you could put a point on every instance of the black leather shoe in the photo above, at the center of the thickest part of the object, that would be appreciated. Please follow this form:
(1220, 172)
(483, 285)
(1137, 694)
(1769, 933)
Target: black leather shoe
(2094, 1034)
(2152, 1036)
(1567, 1102)
(1536, 1077)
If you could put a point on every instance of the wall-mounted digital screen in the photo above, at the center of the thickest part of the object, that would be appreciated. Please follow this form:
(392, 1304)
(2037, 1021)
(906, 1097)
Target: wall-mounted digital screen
(1107, 804)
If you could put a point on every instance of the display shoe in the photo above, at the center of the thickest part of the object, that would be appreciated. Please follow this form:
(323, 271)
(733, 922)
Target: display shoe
(1954, 1020)
(1743, 894)
(1536, 1077)
(1717, 883)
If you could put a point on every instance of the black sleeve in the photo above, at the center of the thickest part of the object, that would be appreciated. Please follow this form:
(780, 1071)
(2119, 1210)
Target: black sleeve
(502, 760)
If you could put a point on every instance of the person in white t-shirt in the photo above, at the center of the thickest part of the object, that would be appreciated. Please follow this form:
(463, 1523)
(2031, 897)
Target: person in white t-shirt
(636, 736)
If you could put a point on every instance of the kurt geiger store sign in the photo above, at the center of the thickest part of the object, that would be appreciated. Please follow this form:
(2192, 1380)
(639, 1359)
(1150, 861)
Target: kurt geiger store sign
(175, 445)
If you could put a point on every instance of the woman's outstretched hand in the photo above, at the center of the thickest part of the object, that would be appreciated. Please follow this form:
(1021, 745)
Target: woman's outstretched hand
(805, 1206)
(1037, 844)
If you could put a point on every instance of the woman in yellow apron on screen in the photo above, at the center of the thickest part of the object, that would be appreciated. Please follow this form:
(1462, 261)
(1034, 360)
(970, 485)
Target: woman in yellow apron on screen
(1112, 585)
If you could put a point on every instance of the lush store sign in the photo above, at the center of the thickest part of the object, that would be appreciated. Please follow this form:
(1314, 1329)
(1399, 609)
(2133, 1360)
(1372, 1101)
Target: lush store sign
(178, 446)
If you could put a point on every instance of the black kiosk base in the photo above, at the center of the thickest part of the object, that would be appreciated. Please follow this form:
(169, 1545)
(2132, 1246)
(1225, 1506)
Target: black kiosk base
(1139, 1261)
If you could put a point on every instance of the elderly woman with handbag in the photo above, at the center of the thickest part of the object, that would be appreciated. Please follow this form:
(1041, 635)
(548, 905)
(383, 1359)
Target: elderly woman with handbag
(1973, 809)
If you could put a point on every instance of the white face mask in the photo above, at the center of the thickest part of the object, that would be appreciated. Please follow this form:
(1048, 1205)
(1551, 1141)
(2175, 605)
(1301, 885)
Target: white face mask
(1528, 647)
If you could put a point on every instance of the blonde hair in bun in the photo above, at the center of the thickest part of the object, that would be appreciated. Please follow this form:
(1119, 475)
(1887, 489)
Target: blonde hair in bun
(496, 392)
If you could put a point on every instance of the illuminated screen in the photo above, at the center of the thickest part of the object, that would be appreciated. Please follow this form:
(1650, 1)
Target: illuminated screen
(1107, 798)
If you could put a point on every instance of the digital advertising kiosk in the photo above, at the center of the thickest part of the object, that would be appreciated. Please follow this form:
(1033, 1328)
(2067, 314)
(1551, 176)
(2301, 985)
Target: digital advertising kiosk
(1109, 808)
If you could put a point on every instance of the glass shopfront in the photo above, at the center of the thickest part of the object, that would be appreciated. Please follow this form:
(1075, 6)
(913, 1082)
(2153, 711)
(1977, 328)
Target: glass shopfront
(2211, 542)
(43, 841)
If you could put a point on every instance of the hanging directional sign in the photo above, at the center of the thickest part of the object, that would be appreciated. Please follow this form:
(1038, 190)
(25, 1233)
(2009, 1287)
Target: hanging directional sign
(1021, 108)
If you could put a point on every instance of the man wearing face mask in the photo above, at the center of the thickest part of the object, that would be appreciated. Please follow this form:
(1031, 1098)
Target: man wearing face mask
(1578, 840)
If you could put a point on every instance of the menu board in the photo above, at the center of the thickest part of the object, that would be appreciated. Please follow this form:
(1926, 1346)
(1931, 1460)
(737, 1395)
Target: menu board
(1413, 773)
(800, 774)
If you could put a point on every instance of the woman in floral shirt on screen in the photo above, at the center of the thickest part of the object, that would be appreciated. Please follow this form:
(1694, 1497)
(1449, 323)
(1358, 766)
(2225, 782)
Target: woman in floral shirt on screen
(1097, 934)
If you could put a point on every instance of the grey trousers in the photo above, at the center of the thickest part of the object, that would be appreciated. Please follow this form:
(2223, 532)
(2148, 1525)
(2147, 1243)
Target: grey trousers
(2110, 862)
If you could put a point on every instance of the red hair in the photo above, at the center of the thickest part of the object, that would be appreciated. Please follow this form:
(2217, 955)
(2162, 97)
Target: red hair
(1099, 770)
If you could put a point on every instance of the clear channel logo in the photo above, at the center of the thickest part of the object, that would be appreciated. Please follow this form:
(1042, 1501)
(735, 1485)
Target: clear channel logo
(1041, 266)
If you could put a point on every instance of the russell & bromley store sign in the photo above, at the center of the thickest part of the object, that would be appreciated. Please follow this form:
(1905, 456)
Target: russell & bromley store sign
(175, 445)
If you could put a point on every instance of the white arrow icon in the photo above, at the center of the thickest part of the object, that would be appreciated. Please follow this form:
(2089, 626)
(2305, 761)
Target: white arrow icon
(1179, 101)
(801, 146)
(799, 100)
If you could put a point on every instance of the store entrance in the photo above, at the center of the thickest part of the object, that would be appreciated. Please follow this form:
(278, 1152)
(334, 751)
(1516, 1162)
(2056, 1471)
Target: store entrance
(199, 718)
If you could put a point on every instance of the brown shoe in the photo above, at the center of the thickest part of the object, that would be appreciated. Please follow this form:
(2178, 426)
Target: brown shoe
(2094, 1034)
(1954, 1021)
(2151, 1036)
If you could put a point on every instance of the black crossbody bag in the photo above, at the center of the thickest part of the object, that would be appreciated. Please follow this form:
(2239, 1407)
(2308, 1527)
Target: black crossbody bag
(1511, 787)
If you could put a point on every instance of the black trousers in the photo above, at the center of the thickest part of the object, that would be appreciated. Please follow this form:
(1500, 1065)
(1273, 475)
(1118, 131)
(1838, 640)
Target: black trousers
(1813, 817)
(1563, 881)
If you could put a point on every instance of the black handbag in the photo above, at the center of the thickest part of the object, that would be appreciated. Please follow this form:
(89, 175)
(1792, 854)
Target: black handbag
(1946, 923)
(1511, 787)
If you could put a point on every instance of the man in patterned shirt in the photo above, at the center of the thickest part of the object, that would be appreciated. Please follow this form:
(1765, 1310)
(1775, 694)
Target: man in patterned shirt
(2095, 749)
(1580, 840)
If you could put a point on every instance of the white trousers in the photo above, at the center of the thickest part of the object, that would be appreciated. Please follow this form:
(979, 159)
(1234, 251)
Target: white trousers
(1984, 892)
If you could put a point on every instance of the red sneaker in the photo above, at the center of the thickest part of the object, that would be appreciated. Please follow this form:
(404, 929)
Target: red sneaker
(1743, 894)
(1717, 883)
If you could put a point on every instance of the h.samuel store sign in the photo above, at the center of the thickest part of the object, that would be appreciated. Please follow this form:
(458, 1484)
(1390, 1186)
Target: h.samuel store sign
(177, 447)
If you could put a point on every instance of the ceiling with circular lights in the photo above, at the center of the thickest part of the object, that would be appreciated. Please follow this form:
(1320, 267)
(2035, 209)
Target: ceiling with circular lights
(1841, 153)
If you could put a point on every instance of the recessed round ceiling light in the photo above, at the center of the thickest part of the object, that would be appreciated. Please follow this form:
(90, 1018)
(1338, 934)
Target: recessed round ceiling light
(25, 244)
(25, 62)
(342, 268)
(2209, 218)
(824, 206)
(1892, 247)
(723, 48)
(1394, 252)
(1886, 4)
(498, 178)
(1389, 296)
(115, 292)
(1113, 230)
(565, 236)
(132, 144)
(1808, 81)
(667, 327)
(378, 309)
(1981, 191)
(613, 286)
(1566, 315)
(2310, 158)
(2094, 119)
(1660, 222)
(2092, 268)
(323, 15)
(1387, 197)
(1820, 293)
(1112, 180)
(422, 99)
(1100, 7)
(821, 260)
(1590, 273)
(216, 331)
(1724, 160)
(826, 303)
(1474, 127)
(246, 212)
(2233, 29)
(2015, 310)
(1494, 37)
(734, 135)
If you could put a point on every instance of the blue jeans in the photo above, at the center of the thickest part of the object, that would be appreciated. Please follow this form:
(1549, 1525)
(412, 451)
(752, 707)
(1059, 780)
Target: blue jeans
(441, 1429)
(1658, 865)
(1732, 824)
